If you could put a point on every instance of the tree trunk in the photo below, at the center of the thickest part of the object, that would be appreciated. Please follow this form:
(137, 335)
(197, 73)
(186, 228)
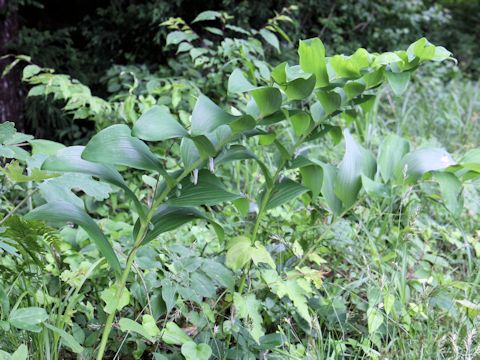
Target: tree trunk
(11, 102)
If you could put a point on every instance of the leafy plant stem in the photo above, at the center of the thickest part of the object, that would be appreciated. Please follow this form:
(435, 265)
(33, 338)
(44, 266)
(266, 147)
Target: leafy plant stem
(131, 256)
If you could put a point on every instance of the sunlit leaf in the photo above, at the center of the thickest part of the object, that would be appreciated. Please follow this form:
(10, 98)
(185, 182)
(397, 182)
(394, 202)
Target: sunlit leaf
(311, 54)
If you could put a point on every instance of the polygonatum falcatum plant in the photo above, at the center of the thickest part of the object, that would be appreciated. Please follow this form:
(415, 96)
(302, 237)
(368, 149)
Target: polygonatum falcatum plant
(318, 97)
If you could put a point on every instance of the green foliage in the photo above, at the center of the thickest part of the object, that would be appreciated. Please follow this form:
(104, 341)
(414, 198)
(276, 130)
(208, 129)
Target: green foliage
(324, 244)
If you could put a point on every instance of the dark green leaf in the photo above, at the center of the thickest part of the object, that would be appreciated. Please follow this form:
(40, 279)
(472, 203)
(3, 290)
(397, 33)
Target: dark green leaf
(268, 99)
(168, 218)
(238, 83)
(69, 160)
(65, 212)
(283, 192)
(28, 318)
(116, 146)
(209, 190)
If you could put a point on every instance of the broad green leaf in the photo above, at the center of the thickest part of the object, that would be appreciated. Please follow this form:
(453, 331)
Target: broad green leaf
(29, 71)
(374, 188)
(240, 152)
(66, 212)
(311, 54)
(398, 81)
(272, 341)
(60, 188)
(298, 88)
(248, 309)
(157, 124)
(169, 218)
(328, 188)
(350, 67)
(132, 326)
(20, 354)
(451, 190)
(422, 49)
(386, 58)
(7, 130)
(390, 153)
(312, 176)
(207, 15)
(67, 339)
(173, 335)
(471, 160)
(268, 100)
(112, 301)
(69, 160)
(353, 89)
(46, 147)
(356, 162)
(150, 326)
(261, 255)
(388, 302)
(219, 273)
(204, 146)
(296, 288)
(29, 318)
(375, 319)
(189, 153)
(193, 351)
(115, 145)
(300, 122)
(283, 192)
(207, 117)
(239, 252)
(176, 37)
(238, 83)
(415, 164)
(330, 101)
(270, 38)
(208, 190)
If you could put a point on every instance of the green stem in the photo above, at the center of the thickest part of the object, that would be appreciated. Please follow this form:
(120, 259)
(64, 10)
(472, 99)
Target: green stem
(120, 288)
(131, 256)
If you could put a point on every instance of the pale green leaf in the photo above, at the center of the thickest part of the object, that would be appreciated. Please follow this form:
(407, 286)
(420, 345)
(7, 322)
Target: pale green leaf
(157, 124)
(193, 351)
(356, 162)
(29, 318)
(112, 302)
(311, 54)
